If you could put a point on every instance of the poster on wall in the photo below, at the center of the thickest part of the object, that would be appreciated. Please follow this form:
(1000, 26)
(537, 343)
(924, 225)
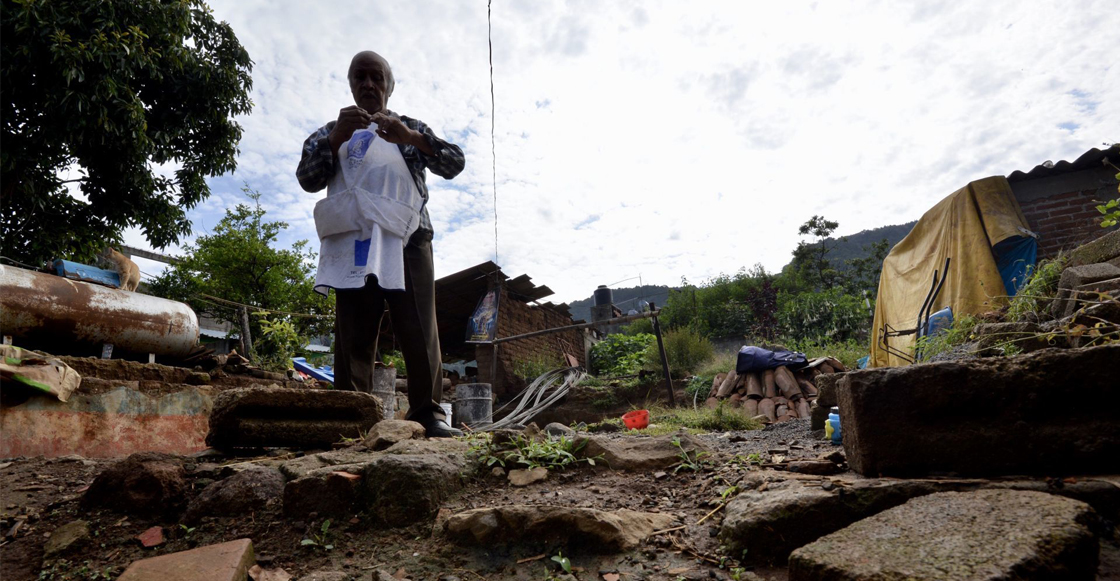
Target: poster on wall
(483, 326)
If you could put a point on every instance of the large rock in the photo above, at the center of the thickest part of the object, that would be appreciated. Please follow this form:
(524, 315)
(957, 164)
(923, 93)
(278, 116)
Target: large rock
(1023, 336)
(1049, 412)
(146, 483)
(619, 530)
(292, 418)
(1076, 281)
(769, 525)
(388, 432)
(328, 492)
(404, 489)
(222, 562)
(247, 491)
(826, 389)
(959, 536)
(640, 453)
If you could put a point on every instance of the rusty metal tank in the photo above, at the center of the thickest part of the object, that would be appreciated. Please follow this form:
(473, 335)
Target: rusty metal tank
(45, 309)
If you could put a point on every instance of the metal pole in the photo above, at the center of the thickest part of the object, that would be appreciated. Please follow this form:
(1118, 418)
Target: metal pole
(615, 321)
(664, 359)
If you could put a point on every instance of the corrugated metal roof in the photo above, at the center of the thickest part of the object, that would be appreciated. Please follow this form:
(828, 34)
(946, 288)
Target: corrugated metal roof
(1089, 160)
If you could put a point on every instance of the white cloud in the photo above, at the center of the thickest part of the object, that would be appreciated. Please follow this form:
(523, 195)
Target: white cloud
(699, 134)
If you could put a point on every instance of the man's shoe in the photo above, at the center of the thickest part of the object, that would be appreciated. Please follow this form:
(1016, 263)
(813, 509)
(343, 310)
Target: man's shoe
(441, 429)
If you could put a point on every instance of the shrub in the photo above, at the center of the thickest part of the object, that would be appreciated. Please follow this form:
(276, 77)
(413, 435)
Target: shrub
(534, 366)
(848, 352)
(958, 333)
(639, 327)
(822, 317)
(685, 349)
(620, 354)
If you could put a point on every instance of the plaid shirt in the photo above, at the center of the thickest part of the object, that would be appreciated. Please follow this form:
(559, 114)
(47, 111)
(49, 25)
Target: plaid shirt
(318, 164)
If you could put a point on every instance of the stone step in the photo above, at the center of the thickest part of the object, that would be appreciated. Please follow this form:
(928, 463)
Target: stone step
(222, 562)
(960, 536)
(292, 418)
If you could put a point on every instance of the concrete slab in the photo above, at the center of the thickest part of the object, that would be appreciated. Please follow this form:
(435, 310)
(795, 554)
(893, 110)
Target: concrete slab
(222, 562)
(1050, 412)
(959, 536)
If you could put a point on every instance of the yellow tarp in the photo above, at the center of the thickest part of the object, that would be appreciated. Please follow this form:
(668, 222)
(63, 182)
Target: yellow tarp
(963, 227)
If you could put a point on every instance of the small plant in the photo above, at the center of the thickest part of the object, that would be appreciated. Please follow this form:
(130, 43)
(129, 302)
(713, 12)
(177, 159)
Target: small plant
(1038, 290)
(279, 342)
(322, 539)
(535, 366)
(395, 359)
(695, 462)
(958, 333)
(529, 453)
(186, 530)
(563, 562)
(1111, 211)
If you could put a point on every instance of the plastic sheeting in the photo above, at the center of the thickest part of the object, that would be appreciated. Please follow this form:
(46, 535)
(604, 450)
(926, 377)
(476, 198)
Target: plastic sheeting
(965, 226)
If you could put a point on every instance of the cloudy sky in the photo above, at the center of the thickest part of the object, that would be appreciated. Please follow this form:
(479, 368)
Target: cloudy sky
(679, 139)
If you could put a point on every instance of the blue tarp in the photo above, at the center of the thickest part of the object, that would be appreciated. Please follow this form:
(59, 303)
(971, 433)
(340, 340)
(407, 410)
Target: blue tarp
(86, 273)
(1015, 258)
(320, 373)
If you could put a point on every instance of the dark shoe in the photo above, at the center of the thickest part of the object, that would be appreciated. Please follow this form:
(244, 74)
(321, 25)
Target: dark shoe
(440, 429)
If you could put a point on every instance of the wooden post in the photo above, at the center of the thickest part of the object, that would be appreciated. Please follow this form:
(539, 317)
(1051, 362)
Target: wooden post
(246, 336)
(664, 359)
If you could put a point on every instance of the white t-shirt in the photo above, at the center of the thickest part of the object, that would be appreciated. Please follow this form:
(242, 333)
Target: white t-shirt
(371, 209)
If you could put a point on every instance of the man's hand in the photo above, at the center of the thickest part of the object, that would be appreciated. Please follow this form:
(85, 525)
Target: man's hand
(350, 119)
(395, 131)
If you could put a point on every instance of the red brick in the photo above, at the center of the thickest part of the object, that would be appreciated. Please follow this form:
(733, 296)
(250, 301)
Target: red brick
(222, 562)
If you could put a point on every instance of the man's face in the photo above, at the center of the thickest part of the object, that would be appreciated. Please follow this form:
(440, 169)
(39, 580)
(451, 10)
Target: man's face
(369, 82)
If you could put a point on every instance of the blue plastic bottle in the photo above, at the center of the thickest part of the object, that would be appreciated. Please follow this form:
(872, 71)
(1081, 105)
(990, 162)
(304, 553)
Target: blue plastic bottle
(834, 422)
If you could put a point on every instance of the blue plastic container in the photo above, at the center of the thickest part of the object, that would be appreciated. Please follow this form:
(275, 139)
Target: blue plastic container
(834, 421)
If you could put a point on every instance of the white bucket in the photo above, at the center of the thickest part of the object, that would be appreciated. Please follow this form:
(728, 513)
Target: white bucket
(447, 412)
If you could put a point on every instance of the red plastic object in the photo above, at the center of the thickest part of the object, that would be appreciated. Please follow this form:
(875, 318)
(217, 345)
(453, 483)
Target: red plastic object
(636, 420)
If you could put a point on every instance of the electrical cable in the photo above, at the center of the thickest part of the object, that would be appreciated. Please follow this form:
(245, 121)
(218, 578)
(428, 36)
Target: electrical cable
(542, 393)
(493, 154)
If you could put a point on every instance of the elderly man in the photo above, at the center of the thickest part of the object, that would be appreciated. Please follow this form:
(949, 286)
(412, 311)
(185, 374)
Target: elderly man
(376, 236)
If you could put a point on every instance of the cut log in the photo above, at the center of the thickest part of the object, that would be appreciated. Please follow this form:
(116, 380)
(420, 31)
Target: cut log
(728, 384)
(787, 383)
(780, 401)
(718, 381)
(766, 408)
(784, 418)
(711, 403)
(754, 386)
(781, 410)
(735, 400)
(769, 388)
(836, 365)
(751, 406)
(807, 387)
(826, 368)
(803, 408)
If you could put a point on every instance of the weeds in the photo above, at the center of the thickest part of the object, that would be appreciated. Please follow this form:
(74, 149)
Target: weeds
(563, 562)
(695, 462)
(1039, 289)
(529, 453)
(958, 333)
(721, 419)
(322, 539)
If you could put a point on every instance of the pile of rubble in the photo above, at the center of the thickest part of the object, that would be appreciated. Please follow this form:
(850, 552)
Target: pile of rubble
(775, 395)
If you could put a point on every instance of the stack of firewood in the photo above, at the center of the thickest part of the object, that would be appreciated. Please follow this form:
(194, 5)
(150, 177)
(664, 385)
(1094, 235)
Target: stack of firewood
(778, 394)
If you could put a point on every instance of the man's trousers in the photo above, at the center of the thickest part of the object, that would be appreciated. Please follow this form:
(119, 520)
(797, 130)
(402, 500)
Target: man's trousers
(413, 313)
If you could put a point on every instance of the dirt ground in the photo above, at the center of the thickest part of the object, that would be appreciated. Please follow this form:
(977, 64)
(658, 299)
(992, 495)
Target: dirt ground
(38, 495)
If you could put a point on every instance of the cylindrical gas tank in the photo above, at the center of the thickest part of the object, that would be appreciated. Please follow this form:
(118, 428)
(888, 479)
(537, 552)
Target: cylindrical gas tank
(603, 295)
(46, 309)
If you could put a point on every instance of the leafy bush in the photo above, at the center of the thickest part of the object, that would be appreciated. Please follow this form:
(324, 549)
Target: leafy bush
(685, 349)
(525, 452)
(620, 354)
(279, 342)
(822, 317)
(1041, 287)
(395, 359)
(639, 327)
(535, 366)
(848, 352)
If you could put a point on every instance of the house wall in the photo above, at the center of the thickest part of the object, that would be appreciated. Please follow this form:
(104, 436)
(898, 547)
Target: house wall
(514, 318)
(1062, 209)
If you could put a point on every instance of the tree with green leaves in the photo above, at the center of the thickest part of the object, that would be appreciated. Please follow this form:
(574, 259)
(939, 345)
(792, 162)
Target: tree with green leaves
(862, 276)
(810, 259)
(113, 92)
(239, 262)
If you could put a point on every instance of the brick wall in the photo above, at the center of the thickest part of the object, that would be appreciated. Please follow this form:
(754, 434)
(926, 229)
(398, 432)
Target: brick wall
(515, 318)
(1064, 221)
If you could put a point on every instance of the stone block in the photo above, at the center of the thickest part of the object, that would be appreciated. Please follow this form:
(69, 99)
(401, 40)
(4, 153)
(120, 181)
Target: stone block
(1103, 249)
(401, 490)
(1079, 278)
(222, 562)
(962, 536)
(1049, 412)
(327, 491)
(818, 415)
(145, 483)
(292, 418)
(826, 388)
(618, 530)
(247, 491)
(388, 432)
(655, 453)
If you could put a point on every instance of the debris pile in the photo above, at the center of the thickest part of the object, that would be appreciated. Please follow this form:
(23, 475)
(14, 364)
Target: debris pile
(778, 394)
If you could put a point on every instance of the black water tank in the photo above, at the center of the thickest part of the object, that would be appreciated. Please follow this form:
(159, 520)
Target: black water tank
(603, 296)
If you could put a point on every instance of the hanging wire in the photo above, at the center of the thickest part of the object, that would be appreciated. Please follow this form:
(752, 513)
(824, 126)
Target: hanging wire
(493, 155)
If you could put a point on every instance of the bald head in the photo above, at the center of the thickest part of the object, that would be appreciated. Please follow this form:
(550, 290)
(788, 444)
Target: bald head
(371, 81)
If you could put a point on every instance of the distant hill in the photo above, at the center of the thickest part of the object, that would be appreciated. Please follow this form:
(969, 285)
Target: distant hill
(624, 298)
(848, 248)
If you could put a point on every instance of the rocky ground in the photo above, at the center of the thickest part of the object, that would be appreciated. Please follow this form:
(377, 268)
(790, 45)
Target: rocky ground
(646, 516)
